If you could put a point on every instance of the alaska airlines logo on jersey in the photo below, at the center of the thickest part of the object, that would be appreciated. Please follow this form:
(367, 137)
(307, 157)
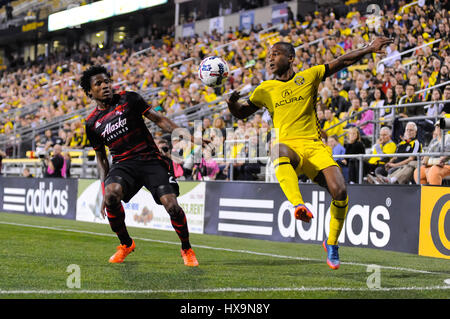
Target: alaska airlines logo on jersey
(116, 128)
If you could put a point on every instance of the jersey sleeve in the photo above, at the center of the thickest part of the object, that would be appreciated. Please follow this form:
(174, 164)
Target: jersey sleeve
(139, 105)
(317, 73)
(94, 140)
(257, 98)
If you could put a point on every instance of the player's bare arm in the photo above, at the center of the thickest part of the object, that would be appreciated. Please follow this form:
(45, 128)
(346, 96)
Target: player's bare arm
(103, 169)
(166, 124)
(241, 111)
(376, 46)
(163, 122)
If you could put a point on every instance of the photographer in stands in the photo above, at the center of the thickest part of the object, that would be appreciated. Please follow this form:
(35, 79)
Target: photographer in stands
(55, 166)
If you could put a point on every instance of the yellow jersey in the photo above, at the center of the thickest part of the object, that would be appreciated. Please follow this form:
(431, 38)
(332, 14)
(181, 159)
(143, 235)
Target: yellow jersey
(292, 104)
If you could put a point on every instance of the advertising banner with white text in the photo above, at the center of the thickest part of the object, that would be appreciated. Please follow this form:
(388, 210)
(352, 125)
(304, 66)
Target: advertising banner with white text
(379, 216)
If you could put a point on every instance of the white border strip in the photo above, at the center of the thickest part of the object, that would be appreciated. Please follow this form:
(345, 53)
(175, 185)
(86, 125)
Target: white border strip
(18, 208)
(258, 217)
(218, 290)
(245, 229)
(253, 203)
(14, 199)
(14, 191)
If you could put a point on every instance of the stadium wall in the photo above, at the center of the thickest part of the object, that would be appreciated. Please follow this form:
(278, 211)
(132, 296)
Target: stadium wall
(261, 16)
(412, 219)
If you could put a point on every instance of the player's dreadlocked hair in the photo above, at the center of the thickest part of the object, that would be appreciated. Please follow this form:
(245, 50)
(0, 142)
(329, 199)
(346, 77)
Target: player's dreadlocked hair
(288, 47)
(85, 81)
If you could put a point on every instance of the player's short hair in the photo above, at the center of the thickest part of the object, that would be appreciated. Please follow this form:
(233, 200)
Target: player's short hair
(288, 47)
(85, 81)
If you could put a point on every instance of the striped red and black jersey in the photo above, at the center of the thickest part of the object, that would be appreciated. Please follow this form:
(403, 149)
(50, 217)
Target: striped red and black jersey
(122, 129)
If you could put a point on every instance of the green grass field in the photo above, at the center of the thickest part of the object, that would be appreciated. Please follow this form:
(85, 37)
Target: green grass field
(36, 252)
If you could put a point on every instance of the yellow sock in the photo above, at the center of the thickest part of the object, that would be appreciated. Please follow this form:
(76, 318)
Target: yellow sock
(288, 180)
(338, 211)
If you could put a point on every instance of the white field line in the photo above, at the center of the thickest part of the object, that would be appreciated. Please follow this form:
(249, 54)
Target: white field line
(219, 290)
(249, 252)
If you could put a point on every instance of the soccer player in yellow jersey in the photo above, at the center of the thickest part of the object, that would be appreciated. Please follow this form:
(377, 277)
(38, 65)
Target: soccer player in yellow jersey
(298, 149)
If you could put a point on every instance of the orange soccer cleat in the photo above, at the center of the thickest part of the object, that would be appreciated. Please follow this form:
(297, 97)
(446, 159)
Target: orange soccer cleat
(122, 252)
(303, 213)
(189, 257)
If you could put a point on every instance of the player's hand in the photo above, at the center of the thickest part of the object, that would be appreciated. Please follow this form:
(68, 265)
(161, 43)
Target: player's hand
(103, 208)
(378, 44)
(234, 97)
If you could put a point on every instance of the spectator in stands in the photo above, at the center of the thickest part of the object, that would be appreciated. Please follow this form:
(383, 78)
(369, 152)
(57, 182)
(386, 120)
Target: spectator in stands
(208, 168)
(411, 98)
(26, 173)
(352, 112)
(2, 156)
(76, 138)
(353, 146)
(392, 55)
(436, 107)
(338, 103)
(331, 126)
(49, 139)
(61, 138)
(365, 122)
(219, 124)
(400, 169)
(384, 145)
(434, 168)
(337, 148)
(55, 166)
(446, 108)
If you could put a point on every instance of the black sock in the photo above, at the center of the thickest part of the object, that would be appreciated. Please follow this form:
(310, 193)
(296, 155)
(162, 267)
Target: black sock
(116, 218)
(179, 223)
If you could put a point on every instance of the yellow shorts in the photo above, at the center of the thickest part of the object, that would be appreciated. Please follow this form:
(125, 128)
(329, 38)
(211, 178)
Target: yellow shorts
(314, 156)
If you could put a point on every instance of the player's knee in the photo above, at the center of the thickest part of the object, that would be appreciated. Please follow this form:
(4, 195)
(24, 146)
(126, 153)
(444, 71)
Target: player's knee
(339, 192)
(112, 196)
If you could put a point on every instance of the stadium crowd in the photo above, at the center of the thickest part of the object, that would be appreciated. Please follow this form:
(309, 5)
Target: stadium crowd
(353, 98)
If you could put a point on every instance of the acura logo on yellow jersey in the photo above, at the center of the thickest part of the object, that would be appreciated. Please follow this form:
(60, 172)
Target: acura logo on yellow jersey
(288, 99)
(286, 93)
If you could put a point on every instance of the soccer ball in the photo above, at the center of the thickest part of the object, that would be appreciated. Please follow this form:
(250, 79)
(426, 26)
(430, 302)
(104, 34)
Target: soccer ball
(213, 71)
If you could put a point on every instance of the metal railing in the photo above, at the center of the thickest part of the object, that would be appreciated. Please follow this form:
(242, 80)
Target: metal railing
(406, 52)
(362, 157)
(424, 90)
(409, 5)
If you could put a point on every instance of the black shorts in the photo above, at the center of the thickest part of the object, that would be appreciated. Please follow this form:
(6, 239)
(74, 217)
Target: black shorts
(156, 175)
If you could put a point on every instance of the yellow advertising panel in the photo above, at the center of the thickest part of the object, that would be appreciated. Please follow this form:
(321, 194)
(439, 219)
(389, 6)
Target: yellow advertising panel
(434, 237)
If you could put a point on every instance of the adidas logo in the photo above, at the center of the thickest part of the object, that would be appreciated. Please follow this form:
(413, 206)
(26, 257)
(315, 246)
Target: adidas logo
(97, 124)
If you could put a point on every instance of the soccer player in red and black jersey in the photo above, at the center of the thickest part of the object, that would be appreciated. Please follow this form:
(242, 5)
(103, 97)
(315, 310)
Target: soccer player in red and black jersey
(117, 122)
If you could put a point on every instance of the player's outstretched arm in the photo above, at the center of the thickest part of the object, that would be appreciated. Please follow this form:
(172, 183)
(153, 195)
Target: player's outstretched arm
(241, 111)
(167, 125)
(376, 46)
(163, 122)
